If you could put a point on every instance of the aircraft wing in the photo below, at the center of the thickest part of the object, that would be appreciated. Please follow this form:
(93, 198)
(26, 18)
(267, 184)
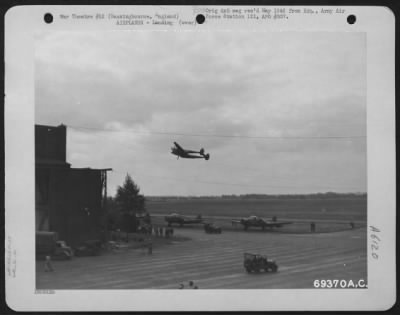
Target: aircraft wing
(276, 223)
(179, 147)
(192, 220)
(236, 222)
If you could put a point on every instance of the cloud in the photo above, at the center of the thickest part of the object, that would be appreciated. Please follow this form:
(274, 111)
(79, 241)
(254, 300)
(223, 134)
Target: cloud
(143, 90)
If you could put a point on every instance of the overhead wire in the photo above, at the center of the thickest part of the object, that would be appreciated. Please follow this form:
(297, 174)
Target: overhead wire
(164, 133)
(223, 136)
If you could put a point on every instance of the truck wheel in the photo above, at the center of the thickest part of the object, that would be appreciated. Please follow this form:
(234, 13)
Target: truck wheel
(274, 268)
(248, 269)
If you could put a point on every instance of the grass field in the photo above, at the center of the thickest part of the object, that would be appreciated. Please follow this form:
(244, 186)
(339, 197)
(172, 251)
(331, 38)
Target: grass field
(302, 209)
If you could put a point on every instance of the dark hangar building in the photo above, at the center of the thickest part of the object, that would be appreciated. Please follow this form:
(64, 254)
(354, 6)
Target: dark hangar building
(69, 201)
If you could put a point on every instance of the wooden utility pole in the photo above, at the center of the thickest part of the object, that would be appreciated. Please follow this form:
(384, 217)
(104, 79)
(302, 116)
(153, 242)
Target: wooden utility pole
(104, 200)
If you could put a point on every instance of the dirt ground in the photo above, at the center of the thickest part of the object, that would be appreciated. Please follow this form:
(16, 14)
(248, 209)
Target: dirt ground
(215, 261)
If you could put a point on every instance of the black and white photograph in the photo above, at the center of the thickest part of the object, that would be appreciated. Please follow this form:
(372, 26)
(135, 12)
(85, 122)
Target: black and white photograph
(170, 157)
(200, 160)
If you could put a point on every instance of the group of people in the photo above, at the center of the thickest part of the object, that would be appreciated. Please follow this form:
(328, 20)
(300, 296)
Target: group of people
(163, 231)
(117, 234)
(190, 286)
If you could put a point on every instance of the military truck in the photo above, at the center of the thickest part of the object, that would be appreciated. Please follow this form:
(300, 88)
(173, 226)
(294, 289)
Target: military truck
(257, 263)
(89, 248)
(48, 244)
(212, 229)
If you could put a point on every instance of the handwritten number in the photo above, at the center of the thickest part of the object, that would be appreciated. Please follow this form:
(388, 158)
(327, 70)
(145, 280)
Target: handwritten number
(374, 229)
(375, 240)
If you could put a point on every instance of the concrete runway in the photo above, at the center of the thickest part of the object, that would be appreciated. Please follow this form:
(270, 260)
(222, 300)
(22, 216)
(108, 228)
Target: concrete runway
(215, 261)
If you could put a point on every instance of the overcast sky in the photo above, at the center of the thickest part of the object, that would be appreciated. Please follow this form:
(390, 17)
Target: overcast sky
(243, 96)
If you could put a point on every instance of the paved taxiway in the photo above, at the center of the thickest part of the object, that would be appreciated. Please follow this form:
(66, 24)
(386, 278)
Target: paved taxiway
(215, 261)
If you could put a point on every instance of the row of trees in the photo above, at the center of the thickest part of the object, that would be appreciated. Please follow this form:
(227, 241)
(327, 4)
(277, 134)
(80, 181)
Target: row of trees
(327, 195)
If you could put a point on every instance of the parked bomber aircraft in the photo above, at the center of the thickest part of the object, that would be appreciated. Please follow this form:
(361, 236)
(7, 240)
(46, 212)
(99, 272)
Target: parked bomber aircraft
(188, 154)
(254, 221)
(181, 220)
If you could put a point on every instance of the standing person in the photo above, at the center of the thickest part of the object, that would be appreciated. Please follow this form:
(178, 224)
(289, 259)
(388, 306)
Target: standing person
(47, 264)
(191, 285)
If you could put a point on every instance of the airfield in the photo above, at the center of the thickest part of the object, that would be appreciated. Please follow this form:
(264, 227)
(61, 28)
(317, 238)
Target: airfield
(215, 261)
